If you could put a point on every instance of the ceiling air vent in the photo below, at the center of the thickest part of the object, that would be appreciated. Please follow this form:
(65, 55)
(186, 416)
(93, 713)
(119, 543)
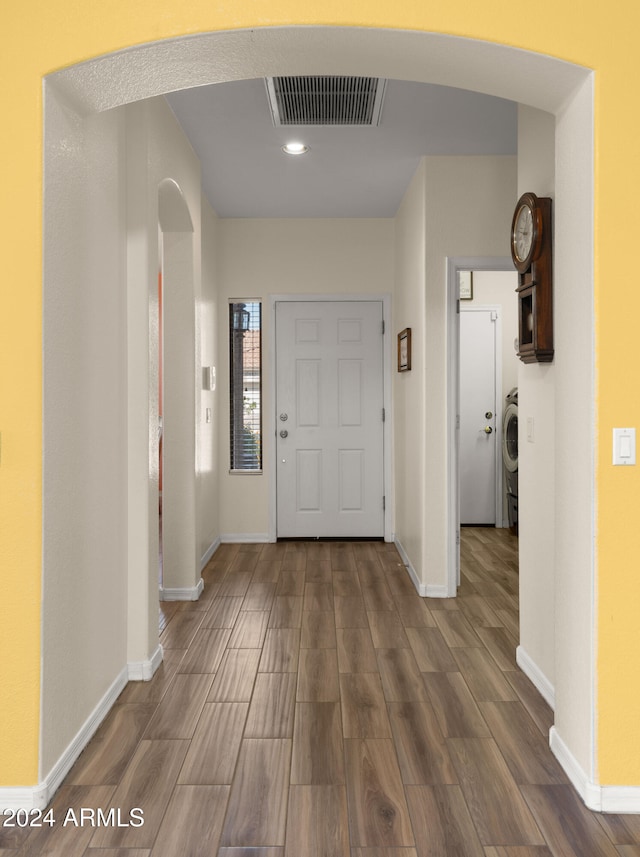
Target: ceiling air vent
(326, 100)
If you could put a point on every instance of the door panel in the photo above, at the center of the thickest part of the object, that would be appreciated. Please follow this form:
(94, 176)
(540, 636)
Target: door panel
(329, 434)
(477, 444)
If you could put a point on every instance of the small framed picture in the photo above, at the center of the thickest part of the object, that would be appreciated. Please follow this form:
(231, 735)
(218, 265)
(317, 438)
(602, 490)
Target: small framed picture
(404, 350)
(466, 285)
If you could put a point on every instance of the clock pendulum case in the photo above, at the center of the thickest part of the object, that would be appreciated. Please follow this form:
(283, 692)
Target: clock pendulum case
(531, 251)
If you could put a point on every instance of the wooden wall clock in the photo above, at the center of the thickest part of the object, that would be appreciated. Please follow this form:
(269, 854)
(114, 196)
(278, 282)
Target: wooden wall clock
(531, 251)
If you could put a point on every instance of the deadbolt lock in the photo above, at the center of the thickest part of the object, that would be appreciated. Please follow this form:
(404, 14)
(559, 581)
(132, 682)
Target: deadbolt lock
(284, 417)
(488, 415)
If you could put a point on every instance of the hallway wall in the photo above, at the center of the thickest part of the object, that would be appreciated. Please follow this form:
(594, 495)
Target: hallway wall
(265, 257)
(409, 401)
(455, 206)
(208, 309)
(536, 458)
(84, 633)
(469, 208)
(100, 521)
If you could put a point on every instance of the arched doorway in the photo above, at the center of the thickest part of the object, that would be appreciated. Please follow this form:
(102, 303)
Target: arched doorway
(542, 82)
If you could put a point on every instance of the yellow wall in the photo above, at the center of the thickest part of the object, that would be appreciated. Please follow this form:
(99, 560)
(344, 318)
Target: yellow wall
(41, 37)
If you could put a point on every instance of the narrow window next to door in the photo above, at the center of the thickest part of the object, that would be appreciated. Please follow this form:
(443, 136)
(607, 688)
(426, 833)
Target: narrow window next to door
(245, 368)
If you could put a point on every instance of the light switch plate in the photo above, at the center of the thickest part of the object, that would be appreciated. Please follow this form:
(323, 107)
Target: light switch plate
(624, 446)
(530, 430)
(209, 377)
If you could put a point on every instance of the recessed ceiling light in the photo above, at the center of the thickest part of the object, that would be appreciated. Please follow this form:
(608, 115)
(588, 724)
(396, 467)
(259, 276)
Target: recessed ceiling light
(295, 148)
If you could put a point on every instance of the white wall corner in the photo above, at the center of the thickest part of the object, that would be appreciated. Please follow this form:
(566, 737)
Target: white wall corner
(187, 593)
(588, 791)
(206, 556)
(536, 677)
(421, 588)
(40, 795)
(613, 799)
(145, 670)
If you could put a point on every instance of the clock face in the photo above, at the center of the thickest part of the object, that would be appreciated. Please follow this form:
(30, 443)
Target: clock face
(522, 238)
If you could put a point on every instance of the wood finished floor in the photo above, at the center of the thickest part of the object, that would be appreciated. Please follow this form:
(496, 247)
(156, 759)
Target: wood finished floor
(311, 704)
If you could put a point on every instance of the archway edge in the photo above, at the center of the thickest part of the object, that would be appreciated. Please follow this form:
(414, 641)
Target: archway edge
(184, 62)
(173, 211)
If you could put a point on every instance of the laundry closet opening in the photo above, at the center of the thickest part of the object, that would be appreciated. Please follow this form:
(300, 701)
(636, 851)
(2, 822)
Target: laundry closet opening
(488, 385)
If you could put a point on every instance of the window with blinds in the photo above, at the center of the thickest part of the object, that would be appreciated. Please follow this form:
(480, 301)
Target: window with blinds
(245, 362)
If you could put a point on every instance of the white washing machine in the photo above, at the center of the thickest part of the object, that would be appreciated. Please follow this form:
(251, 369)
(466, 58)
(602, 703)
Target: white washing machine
(510, 455)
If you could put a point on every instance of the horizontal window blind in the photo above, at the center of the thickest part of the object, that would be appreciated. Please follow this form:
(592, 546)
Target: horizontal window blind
(245, 362)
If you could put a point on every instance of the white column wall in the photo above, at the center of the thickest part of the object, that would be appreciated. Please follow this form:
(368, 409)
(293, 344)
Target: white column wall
(100, 524)
(409, 397)
(536, 460)
(209, 465)
(455, 206)
(469, 203)
(180, 563)
(84, 633)
(575, 427)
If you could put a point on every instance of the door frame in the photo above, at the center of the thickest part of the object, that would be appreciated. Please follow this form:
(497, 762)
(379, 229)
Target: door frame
(497, 380)
(455, 264)
(270, 428)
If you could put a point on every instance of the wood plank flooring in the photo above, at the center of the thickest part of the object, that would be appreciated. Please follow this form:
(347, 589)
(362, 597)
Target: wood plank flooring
(311, 704)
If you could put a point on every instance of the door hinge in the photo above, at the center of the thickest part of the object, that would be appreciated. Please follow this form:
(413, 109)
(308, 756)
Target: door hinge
(384, 503)
(384, 415)
(458, 306)
(494, 315)
(383, 327)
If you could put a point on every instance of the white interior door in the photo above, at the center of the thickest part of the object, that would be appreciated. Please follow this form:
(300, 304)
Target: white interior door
(478, 424)
(329, 419)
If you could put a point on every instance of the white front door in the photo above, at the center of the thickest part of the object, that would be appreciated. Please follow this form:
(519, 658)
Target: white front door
(478, 425)
(329, 419)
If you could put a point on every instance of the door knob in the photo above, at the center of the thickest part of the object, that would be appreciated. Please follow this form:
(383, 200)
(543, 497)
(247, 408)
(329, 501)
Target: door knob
(284, 433)
(488, 430)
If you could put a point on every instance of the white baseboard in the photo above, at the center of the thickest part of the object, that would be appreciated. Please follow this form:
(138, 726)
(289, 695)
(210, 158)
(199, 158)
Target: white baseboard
(433, 590)
(248, 538)
(426, 590)
(37, 797)
(24, 797)
(206, 556)
(620, 799)
(144, 670)
(536, 677)
(615, 799)
(188, 593)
